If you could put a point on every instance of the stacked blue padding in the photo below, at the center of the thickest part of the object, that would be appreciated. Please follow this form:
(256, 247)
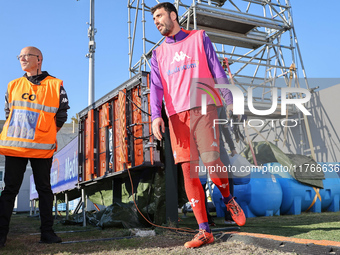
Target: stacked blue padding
(296, 197)
(273, 191)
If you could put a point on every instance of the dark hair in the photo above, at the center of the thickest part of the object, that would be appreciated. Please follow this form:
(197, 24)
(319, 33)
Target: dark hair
(168, 7)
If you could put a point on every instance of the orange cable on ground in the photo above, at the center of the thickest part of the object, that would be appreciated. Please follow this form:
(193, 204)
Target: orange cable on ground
(171, 228)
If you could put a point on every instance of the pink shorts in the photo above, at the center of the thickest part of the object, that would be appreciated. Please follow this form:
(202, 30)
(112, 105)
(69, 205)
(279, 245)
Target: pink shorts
(192, 133)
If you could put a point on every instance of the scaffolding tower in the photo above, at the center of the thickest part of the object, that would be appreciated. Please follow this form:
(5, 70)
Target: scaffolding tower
(257, 38)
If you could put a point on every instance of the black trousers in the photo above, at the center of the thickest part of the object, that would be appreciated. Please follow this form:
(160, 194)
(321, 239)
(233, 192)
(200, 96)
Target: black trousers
(15, 168)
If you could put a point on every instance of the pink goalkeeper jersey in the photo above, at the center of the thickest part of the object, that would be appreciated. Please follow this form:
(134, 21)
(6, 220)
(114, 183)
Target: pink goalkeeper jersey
(185, 74)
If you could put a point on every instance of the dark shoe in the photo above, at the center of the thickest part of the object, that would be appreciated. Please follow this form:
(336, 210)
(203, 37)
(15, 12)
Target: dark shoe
(49, 237)
(3, 239)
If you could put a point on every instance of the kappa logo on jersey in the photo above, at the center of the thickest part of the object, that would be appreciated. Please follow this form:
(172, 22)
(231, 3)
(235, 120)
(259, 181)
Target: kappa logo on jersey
(214, 144)
(179, 57)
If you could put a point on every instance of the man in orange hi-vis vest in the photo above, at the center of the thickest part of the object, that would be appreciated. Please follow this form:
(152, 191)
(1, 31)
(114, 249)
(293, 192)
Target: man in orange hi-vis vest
(36, 108)
(184, 69)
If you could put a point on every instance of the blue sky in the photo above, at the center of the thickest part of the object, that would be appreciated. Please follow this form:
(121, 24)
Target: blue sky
(59, 29)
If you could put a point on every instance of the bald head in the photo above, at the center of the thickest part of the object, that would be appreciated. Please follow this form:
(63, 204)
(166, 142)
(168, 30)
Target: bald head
(33, 50)
(31, 60)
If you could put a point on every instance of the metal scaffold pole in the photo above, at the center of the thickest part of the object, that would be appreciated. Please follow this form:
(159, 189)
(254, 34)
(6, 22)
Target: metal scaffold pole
(92, 47)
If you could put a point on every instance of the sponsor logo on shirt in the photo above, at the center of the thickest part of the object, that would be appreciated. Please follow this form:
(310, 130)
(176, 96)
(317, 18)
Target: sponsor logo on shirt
(23, 124)
(182, 57)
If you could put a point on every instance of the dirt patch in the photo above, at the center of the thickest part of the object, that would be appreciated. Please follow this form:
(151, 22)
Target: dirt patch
(24, 238)
(172, 243)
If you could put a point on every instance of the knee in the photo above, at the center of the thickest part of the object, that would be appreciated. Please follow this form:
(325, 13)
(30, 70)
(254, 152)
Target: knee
(9, 193)
(209, 156)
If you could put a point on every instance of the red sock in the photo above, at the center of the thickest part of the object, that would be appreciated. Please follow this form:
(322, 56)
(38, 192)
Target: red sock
(194, 191)
(219, 176)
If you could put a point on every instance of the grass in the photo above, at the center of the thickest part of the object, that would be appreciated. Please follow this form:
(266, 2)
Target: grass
(24, 236)
(317, 226)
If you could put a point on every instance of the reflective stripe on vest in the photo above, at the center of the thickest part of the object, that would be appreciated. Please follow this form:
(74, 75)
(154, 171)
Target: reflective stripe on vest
(28, 145)
(34, 106)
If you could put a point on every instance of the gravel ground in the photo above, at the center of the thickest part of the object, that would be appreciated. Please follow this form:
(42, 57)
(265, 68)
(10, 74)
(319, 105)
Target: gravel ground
(172, 243)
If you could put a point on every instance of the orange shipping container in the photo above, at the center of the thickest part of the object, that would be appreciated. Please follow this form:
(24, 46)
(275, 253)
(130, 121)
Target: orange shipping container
(116, 131)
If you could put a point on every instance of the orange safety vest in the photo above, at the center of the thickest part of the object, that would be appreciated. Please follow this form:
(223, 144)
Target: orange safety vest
(30, 130)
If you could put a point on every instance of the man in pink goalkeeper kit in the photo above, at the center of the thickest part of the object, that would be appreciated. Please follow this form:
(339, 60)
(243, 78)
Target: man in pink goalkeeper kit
(184, 56)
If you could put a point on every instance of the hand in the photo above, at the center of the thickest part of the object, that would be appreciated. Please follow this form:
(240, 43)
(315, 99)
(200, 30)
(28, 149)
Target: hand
(157, 127)
(229, 108)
